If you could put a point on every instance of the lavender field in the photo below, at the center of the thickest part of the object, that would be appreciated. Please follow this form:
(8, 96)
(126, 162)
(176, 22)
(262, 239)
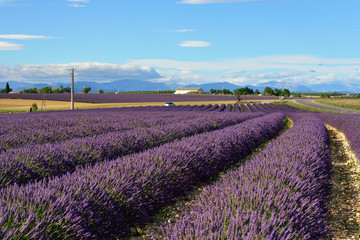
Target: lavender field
(100, 174)
(131, 98)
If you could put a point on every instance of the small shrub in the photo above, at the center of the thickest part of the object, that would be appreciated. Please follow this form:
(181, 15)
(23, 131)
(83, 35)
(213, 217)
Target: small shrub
(34, 107)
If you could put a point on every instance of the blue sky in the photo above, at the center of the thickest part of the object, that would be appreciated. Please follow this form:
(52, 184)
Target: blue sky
(190, 41)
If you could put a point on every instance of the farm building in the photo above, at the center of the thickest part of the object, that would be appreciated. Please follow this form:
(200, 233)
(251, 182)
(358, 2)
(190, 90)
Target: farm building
(187, 90)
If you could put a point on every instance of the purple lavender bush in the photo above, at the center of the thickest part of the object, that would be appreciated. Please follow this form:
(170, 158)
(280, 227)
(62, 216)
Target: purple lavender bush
(19, 130)
(35, 162)
(279, 194)
(104, 201)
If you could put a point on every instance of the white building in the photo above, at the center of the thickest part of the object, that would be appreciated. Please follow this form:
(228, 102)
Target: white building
(187, 90)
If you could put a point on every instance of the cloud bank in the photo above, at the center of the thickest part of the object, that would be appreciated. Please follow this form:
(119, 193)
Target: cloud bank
(302, 69)
(298, 69)
(91, 71)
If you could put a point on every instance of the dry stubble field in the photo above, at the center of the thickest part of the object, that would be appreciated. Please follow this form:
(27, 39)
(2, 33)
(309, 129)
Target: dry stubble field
(345, 103)
(23, 105)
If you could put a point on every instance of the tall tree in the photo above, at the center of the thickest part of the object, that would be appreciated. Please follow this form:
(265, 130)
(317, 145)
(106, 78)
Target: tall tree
(7, 88)
(286, 92)
(269, 92)
(86, 90)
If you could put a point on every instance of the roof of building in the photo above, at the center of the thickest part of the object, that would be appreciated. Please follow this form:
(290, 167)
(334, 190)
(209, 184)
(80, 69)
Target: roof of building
(189, 89)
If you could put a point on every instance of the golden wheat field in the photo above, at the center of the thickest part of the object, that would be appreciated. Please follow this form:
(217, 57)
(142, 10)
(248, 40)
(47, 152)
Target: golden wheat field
(23, 105)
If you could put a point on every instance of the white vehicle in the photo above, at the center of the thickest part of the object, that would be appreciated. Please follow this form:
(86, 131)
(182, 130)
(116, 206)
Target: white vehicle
(169, 104)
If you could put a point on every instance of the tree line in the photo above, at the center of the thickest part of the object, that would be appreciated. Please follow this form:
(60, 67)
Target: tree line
(248, 91)
(7, 89)
(60, 89)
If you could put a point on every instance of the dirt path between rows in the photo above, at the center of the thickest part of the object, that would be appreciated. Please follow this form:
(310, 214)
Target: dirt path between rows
(344, 205)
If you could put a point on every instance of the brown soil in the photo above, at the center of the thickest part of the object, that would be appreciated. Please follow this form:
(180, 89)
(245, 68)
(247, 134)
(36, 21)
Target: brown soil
(344, 205)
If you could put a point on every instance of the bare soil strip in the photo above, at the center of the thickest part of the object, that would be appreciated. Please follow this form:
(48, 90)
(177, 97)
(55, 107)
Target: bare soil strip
(344, 204)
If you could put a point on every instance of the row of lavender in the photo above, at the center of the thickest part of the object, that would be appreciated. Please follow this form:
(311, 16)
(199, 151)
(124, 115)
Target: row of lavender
(39, 128)
(349, 124)
(18, 130)
(104, 201)
(35, 162)
(248, 107)
(131, 98)
(280, 194)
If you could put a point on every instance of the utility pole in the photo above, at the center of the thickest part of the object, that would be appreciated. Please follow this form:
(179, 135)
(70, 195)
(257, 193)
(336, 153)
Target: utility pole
(43, 103)
(72, 88)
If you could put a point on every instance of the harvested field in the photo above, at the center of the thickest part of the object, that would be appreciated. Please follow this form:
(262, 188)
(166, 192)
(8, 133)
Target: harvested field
(23, 105)
(345, 103)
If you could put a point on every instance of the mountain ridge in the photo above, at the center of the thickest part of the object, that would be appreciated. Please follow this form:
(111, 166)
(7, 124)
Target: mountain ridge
(143, 85)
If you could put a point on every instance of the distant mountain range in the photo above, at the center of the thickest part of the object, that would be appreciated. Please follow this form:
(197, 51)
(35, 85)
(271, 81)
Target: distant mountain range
(139, 85)
(293, 87)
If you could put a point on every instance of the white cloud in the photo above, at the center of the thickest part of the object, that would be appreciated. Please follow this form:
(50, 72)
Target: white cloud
(76, 5)
(185, 30)
(84, 2)
(21, 36)
(195, 44)
(213, 1)
(10, 46)
(90, 71)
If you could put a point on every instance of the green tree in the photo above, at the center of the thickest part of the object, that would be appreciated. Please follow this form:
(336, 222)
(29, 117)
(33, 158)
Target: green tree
(257, 92)
(66, 90)
(30, 90)
(7, 88)
(86, 90)
(238, 92)
(46, 90)
(269, 92)
(34, 107)
(277, 92)
(244, 91)
(325, 95)
(101, 91)
(226, 91)
(286, 92)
